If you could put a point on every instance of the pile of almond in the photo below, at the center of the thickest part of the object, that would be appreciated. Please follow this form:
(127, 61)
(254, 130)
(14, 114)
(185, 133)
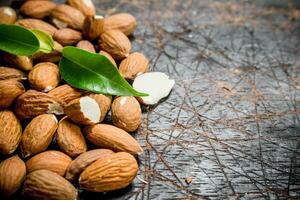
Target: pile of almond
(52, 136)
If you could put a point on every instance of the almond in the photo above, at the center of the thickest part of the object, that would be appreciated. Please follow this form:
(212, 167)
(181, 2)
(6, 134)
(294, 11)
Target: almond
(44, 76)
(104, 102)
(92, 27)
(126, 113)
(65, 93)
(10, 132)
(33, 103)
(11, 73)
(37, 9)
(69, 15)
(135, 64)
(124, 22)
(108, 56)
(9, 90)
(83, 110)
(44, 184)
(115, 43)
(37, 24)
(7, 15)
(21, 62)
(111, 137)
(113, 172)
(86, 45)
(12, 175)
(69, 138)
(67, 36)
(87, 7)
(54, 161)
(38, 134)
(84, 160)
(53, 56)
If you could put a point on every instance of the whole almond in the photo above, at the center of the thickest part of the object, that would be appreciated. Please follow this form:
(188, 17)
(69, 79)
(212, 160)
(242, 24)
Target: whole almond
(21, 62)
(37, 24)
(111, 137)
(65, 93)
(92, 27)
(126, 113)
(115, 43)
(44, 76)
(52, 160)
(10, 132)
(54, 56)
(104, 102)
(9, 90)
(84, 160)
(83, 110)
(7, 15)
(37, 9)
(135, 64)
(33, 103)
(69, 15)
(11, 73)
(113, 172)
(108, 56)
(69, 138)
(44, 184)
(67, 36)
(38, 134)
(86, 45)
(12, 175)
(87, 7)
(124, 22)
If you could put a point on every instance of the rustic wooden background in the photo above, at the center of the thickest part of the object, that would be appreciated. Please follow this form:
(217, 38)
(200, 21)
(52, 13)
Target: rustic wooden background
(230, 128)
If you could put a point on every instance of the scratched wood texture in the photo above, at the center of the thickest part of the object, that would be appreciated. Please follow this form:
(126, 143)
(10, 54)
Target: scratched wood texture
(230, 128)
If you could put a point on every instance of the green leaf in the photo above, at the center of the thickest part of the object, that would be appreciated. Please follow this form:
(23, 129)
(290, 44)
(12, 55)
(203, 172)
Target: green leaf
(93, 72)
(18, 40)
(45, 40)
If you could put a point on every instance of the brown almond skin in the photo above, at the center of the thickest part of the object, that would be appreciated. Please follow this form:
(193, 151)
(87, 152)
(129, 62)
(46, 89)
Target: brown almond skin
(7, 15)
(113, 172)
(86, 45)
(38, 134)
(65, 93)
(115, 43)
(10, 132)
(33, 103)
(69, 15)
(111, 137)
(84, 160)
(73, 111)
(135, 64)
(124, 22)
(52, 160)
(92, 27)
(12, 175)
(85, 6)
(104, 102)
(44, 76)
(37, 24)
(37, 9)
(108, 56)
(47, 185)
(9, 90)
(53, 56)
(69, 138)
(126, 113)
(67, 36)
(11, 73)
(21, 62)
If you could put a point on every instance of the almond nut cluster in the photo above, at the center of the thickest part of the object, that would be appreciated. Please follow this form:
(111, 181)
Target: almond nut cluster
(52, 136)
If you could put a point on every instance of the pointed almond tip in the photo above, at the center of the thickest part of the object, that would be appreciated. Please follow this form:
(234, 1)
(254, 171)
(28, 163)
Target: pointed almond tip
(140, 152)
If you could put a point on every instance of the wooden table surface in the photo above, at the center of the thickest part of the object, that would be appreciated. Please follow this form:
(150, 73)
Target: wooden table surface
(230, 128)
